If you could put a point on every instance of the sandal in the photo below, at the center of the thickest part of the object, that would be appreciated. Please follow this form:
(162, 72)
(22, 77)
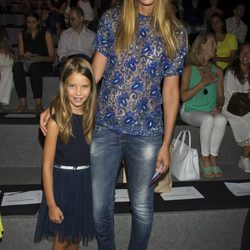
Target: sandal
(207, 171)
(217, 171)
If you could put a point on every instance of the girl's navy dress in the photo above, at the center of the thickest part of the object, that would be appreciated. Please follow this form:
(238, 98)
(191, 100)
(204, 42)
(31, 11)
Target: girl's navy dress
(72, 191)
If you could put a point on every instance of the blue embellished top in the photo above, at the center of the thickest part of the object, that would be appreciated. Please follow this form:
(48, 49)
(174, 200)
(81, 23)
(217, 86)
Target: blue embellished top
(130, 96)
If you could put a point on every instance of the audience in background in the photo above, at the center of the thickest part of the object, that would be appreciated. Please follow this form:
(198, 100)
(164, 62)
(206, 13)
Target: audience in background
(235, 23)
(76, 41)
(226, 42)
(35, 54)
(237, 79)
(193, 17)
(56, 17)
(202, 96)
(6, 63)
(212, 9)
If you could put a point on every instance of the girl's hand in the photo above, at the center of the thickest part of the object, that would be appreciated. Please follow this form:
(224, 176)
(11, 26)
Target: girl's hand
(208, 77)
(27, 55)
(55, 215)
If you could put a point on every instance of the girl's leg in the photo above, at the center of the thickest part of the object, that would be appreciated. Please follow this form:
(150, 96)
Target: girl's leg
(74, 246)
(246, 151)
(58, 245)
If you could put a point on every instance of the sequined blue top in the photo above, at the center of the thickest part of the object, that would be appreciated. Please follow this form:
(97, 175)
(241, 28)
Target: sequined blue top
(130, 97)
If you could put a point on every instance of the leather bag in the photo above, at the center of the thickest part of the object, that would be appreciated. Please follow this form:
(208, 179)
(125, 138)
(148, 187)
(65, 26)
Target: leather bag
(239, 104)
(185, 159)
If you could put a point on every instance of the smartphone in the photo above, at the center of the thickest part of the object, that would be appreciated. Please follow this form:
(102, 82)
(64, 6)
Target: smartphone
(156, 176)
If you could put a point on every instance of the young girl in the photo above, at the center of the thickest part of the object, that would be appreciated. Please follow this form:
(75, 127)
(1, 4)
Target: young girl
(66, 210)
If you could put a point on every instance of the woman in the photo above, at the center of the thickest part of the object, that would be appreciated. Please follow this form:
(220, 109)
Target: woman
(226, 42)
(6, 64)
(237, 79)
(139, 45)
(202, 96)
(36, 55)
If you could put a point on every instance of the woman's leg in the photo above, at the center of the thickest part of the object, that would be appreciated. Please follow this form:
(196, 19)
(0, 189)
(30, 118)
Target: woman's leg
(140, 159)
(36, 72)
(6, 84)
(106, 154)
(20, 85)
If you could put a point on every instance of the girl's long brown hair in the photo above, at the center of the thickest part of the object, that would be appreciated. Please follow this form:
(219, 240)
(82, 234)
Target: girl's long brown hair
(60, 105)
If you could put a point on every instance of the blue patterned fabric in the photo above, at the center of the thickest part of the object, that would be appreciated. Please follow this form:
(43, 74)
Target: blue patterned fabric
(130, 96)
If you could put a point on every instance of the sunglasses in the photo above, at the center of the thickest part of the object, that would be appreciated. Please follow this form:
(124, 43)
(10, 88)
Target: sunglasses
(205, 91)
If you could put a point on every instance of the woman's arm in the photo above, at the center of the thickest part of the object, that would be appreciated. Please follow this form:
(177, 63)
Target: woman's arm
(98, 65)
(171, 97)
(50, 47)
(20, 46)
(220, 90)
(55, 213)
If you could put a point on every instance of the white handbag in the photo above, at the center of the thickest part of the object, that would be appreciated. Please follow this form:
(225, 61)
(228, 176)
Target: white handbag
(185, 160)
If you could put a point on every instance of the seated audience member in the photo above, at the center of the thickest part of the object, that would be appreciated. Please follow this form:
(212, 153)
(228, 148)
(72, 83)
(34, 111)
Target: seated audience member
(76, 41)
(88, 9)
(212, 9)
(235, 24)
(6, 64)
(227, 44)
(193, 17)
(36, 55)
(57, 17)
(237, 79)
(202, 96)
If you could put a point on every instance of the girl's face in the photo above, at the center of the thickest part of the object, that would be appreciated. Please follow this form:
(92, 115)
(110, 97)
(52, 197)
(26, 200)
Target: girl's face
(217, 24)
(209, 47)
(245, 55)
(77, 88)
(32, 23)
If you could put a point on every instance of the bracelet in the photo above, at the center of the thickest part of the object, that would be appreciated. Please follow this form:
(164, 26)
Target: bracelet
(219, 106)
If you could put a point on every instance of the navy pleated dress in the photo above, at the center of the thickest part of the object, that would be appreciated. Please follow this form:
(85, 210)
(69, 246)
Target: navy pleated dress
(72, 191)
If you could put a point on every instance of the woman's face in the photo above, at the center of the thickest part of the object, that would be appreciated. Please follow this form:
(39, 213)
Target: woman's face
(245, 55)
(216, 24)
(32, 23)
(209, 47)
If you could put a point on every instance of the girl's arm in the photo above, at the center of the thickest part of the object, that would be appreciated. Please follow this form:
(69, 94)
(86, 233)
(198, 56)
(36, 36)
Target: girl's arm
(98, 65)
(55, 213)
(171, 98)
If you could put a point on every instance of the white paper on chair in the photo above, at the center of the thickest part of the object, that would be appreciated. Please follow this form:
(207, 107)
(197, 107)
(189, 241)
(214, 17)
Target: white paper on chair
(121, 195)
(182, 193)
(238, 189)
(22, 198)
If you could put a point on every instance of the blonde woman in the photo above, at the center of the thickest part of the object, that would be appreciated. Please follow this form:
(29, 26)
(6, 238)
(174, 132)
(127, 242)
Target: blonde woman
(202, 96)
(138, 46)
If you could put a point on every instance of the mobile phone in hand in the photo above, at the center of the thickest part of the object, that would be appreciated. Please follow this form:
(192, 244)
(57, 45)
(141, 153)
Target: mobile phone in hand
(156, 176)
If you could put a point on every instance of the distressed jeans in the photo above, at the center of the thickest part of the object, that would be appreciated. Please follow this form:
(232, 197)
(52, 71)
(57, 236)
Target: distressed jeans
(107, 150)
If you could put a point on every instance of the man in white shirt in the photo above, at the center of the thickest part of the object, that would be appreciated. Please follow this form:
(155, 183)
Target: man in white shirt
(76, 41)
(235, 24)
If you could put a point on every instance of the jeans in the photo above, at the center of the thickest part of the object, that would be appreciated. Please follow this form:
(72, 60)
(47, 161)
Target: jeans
(139, 153)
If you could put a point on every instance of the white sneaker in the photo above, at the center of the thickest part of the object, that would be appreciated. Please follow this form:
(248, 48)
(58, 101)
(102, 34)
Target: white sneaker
(244, 163)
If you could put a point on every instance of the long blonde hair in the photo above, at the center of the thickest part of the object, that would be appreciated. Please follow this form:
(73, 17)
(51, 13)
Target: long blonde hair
(60, 105)
(163, 21)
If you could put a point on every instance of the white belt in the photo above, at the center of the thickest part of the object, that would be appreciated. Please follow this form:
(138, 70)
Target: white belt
(71, 167)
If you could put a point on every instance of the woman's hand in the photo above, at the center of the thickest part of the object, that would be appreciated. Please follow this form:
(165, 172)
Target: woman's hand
(55, 215)
(163, 159)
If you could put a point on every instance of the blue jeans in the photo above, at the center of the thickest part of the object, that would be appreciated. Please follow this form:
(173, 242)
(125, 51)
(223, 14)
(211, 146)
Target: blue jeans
(139, 153)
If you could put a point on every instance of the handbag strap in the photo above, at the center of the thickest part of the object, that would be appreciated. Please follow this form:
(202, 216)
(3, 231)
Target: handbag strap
(182, 137)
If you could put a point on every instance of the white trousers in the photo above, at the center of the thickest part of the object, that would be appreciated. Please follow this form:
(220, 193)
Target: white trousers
(6, 78)
(212, 129)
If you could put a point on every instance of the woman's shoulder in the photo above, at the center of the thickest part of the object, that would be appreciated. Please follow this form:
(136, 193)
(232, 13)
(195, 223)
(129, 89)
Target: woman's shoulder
(112, 13)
